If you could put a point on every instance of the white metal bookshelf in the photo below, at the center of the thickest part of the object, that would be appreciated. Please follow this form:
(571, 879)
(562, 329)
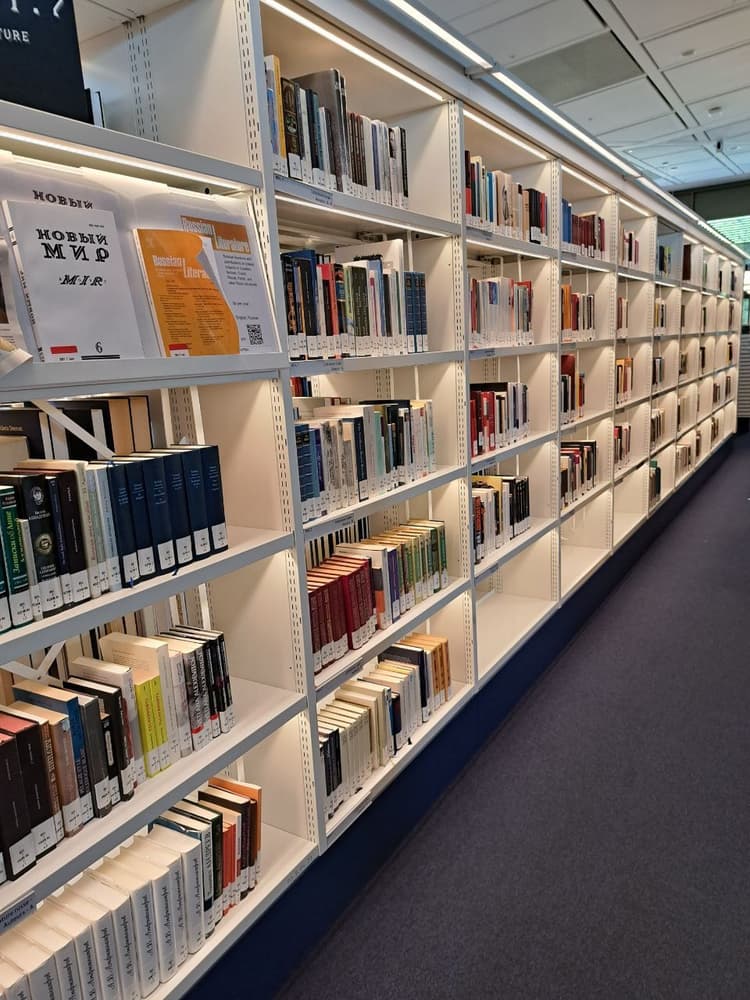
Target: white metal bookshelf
(255, 591)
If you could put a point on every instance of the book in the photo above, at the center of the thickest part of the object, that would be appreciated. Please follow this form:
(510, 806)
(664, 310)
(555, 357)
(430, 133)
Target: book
(56, 917)
(201, 834)
(188, 849)
(162, 859)
(35, 962)
(44, 819)
(101, 922)
(74, 278)
(17, 845)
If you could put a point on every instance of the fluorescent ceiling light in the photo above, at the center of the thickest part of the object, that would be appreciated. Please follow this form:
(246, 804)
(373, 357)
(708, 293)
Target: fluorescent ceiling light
(386, 223)
(491, 127)
(442, 33)
(634, 208)
(344, 43)
(586, 180)
(500, 249)
(558, 119)
(131, 162)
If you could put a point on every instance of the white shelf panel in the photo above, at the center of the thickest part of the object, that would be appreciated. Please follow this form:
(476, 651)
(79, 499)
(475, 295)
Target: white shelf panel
(582, 501)
(644, 397)
(509, 351)
(623, 271)
(333, 366)
(246, 546)
(344, 669)
(689, 286)
(583, 345)
(308, 205)
(284, 858)
(585, 263)
(39, 380)
(578, 563)
(664, 390)
(586, 419)
(504, 623)
(354, 806)
(665, 336)
(625, 525)
(683, 382)
(339, 519)
(259, 711)
(500, 454)
(629, 339)
(633, 465)
(75, 143)
(666, 282)
(483, 239)
(538, 527)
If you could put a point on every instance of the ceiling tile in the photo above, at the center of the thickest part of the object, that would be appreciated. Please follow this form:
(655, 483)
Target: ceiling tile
(647, 17)
(615, 107)
(539, 30)
(670, 157)
(580, 68)
(702, 39)
(738, 128)
(654, 128)
(717, 74)
(477, 14)
(733, 109)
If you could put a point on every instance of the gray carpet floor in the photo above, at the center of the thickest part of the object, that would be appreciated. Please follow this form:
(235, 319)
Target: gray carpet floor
(599, 845)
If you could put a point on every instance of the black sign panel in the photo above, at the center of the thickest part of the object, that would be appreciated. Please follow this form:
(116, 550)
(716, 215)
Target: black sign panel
(40, 64)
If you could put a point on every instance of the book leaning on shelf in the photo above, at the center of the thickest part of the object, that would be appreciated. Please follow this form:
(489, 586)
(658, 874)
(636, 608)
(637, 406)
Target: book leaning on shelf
(374, 717)
(577, 470)
(359, 582)
(498, 415)
(315, 138)
(500, 312)
(501, 510)
(362, 302)
(497, 203)
(349, 452)
(127, 924)
(122, 708)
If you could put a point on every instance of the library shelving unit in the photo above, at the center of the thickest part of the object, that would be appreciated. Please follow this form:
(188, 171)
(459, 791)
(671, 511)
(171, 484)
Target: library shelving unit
(194, 116)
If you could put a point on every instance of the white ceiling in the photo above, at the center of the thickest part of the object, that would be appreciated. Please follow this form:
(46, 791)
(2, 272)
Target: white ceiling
(683, 112)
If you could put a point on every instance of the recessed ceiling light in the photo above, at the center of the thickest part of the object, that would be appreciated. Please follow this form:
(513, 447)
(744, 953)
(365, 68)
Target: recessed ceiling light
(688, 52)
(715, 109)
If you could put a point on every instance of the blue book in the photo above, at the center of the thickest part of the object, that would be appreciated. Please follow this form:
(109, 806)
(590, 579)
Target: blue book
(178, 506)
(157, 503)
(65, 702)
(139, 514)
(195, 495)
(119, 496)
(217, 522)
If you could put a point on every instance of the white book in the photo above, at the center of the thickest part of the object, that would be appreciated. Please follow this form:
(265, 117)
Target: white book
(98, 530)
(179, 691)
(118, 902)
(150, 851)
(109, 539)
(63, 949)
(136, 891)
(13, 983)
(186, 825)
(159, 880)
(304, 129)
(103, 929)
(36, 962)
(74, 278)
(51, 914)
(189, 850)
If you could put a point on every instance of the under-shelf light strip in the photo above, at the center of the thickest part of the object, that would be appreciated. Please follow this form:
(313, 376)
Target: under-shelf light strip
(504, 135)
(344, 43)
(501, 249)
(586, 180)
(634, 208)
(125, 161)
(389, 223)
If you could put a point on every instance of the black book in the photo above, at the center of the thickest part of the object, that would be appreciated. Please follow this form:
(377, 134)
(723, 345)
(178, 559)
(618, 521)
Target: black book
(119, 496)
(17, 851)
(204, 814)
(139, 516)
(157, 501)
(61, 550)
(178, 505)
(31, 423)
(37, 526)
(221, 663)
(111, 702)
(96, 754)
(192, 470)
(213, 492)
(32, 760)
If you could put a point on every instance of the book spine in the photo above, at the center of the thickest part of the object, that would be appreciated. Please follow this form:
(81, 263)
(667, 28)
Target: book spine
(124, 937)
(198, 710)
(182, 708)
(96, 526)
(170, 708)
(109, 536)
(96, 756)
(141, 527)
(123, 523)
(214, 497)
(157, 503)
(17, 848)
(113, 772)
(38, 800)
(72, 523)
(148, 728)
(178, 508)
(164, 917)
(61, 552)
(192, 467)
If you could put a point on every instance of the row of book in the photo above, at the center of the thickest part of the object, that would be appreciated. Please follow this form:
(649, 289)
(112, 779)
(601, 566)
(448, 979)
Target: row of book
(683, 458)
(128, 923)
(577, 470)
(572, 389)
(501, 510)
(583, 233)
(622, 314)
(85, 743)
(630, 248)
(658, 370)
(494, 201)
(577, 311)
(622, 440)
(371, 719)
(623, 380)
(654, 482)
(660, 314)
(658, 423)
(367, 582)
(498, 415)
(316, 139)
(360, 302)
(72, 530)
(350, 452)
(500, 311)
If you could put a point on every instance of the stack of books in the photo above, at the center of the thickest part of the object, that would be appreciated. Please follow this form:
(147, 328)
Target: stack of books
(501, 510)
(362, 302)
(371, 719)
(358, 586)
(495, 202)
(78, 746)
(316, 139)
(498, 415)
(500, 312)
(129, 923)
(348, 452)
(577, 470)
(577, 313)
